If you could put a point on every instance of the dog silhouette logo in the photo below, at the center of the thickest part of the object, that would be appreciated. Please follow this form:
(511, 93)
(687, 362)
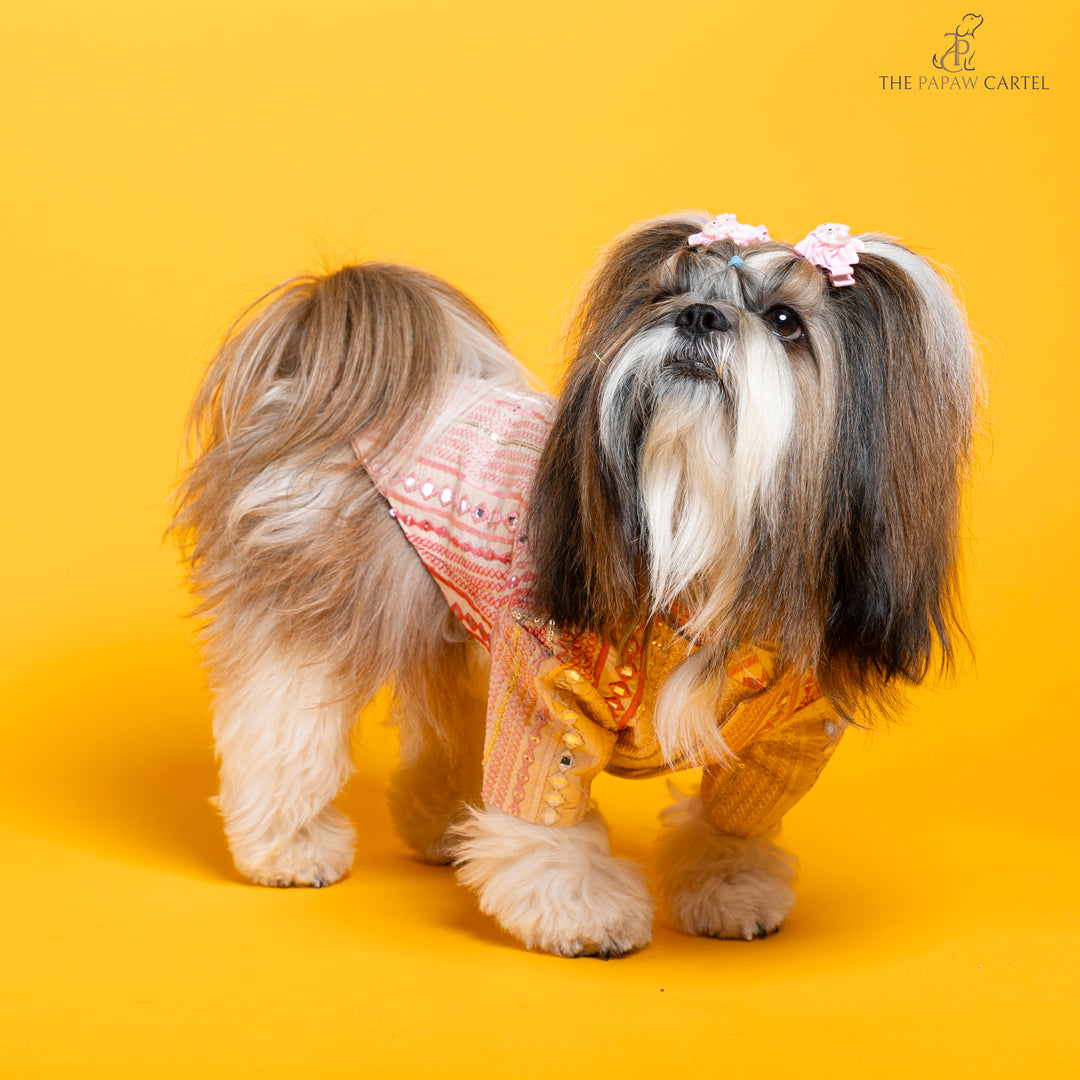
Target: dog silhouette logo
(960, 56)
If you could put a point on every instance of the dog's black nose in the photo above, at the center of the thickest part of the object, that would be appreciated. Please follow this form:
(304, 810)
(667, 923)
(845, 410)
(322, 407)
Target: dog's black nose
(702, 319)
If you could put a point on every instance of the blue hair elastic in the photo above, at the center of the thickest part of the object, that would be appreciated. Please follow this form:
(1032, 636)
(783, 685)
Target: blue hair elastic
(734, 261)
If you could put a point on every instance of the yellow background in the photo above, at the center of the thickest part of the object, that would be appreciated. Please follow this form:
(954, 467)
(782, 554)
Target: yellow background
(163, 163)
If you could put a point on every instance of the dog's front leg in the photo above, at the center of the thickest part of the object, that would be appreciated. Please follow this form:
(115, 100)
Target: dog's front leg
(555, 888)
(718, 885)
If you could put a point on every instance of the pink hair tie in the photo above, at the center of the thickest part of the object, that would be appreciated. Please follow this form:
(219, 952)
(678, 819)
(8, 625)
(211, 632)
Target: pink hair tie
(832, 247)
(727, 227)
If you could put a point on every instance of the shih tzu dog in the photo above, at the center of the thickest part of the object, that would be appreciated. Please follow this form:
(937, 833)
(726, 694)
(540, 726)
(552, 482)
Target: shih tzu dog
(731, 535)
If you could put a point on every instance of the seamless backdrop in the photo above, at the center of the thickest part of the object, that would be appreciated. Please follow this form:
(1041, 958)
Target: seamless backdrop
(164, 164)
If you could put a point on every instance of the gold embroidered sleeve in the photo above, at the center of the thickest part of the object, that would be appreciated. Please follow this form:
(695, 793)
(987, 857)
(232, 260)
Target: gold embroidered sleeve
(795, 732)
(545, 741)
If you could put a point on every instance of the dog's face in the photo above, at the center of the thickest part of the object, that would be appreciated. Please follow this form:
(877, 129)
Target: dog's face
(760, 453)
(716, 379)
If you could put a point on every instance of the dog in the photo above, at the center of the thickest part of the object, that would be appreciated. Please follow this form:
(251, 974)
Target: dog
(733, 534)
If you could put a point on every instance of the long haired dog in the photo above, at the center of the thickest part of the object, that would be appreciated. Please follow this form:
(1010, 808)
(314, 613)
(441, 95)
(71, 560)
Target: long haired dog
(732, 534)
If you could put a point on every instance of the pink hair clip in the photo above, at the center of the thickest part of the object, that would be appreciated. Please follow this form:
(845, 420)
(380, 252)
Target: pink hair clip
(832, 247)
(727, 227)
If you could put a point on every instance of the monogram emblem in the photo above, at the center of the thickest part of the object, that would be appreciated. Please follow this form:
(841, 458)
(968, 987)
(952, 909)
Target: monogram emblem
(960, 55)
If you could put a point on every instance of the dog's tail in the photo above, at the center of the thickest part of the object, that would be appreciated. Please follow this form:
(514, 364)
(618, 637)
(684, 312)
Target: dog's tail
(370, 347)
(323, 357)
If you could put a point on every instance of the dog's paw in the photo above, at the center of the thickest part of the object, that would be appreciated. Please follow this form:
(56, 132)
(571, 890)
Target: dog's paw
(318, 854)
(555, 889)
(744, 904)
(722, 886)
(602, 908)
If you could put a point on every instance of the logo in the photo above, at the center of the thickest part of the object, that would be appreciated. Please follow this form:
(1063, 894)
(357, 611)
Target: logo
(961, 54)
(954, 69)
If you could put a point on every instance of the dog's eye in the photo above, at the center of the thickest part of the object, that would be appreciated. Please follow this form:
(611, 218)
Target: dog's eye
(784, 323)
(660, 297)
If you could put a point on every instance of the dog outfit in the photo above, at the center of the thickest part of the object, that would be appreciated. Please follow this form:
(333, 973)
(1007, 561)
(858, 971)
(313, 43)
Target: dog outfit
(564, 705)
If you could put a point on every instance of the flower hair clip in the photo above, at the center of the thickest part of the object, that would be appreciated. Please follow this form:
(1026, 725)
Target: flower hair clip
(728, 227)
(834, 249)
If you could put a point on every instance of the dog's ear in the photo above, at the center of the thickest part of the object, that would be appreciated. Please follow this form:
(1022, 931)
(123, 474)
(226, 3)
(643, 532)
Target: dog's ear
(583, 527)
(905, 401)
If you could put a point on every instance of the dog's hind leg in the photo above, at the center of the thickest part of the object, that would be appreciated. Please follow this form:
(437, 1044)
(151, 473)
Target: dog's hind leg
(305, 635)
(439, 711)
(283, 738)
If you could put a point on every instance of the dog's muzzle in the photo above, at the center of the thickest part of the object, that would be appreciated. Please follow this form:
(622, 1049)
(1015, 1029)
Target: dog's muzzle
(696, 357)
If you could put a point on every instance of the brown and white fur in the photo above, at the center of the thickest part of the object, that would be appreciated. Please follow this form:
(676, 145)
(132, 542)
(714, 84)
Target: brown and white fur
(772, 458)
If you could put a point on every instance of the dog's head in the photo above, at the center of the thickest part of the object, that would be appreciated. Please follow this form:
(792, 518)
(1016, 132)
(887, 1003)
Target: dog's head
(765, 443)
